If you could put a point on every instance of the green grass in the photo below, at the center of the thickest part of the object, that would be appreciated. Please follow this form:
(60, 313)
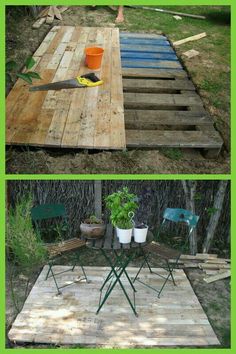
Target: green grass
(172, 153)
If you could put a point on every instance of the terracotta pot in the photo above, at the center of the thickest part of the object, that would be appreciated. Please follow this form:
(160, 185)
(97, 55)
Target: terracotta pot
(92, 230)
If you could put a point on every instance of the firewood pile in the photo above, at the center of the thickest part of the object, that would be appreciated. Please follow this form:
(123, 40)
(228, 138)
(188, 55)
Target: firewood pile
(48, 15)
(215, 268)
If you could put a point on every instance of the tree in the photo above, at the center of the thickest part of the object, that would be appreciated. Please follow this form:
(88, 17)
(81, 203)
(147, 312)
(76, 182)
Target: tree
(189, 191)
(213, 222)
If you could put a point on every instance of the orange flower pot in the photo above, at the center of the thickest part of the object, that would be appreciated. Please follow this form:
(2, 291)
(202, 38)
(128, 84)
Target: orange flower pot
(93, 57)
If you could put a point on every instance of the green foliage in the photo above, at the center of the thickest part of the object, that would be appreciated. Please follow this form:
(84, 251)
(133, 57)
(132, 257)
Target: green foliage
(94, 220)
(11, 67)
(211, 211)
(122, 204)
(23, 243)
(172, 153)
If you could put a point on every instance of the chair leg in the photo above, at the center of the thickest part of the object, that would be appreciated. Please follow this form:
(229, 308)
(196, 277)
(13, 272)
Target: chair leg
(170, 270)
(54, 278)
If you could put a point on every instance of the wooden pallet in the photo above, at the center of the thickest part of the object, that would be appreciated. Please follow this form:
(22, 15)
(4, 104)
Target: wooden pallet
(162, 107)
(90, 118)
(176, 319)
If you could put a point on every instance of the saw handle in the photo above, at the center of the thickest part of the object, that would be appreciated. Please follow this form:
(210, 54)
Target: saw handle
(89, 80)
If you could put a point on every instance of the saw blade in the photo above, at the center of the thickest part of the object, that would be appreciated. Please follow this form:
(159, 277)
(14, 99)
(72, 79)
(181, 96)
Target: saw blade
(67, 84)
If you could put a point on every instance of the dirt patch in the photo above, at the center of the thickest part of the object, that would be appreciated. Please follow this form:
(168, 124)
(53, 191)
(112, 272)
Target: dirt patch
(22, 41)
(107, 162)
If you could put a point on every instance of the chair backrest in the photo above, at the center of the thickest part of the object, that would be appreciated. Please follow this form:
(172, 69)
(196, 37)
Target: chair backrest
(48, 211)
(181, 215)
(178, 215)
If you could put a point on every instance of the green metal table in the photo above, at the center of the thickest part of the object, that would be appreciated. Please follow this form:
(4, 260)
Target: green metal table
(118, 256)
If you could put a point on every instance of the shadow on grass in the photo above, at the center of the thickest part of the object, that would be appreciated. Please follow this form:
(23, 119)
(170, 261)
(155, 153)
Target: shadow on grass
(219, 17)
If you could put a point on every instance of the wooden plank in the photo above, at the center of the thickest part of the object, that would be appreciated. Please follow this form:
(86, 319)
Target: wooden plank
(216, 277)
(213, 266)
(190, 39)
(145, 85)
(145, 41)
(141, 35)
(160, 101)
(152, 119)
(137, 55)
(155, 139)
(153, 73)
(155, 64)
(38, 23)
(146, 49)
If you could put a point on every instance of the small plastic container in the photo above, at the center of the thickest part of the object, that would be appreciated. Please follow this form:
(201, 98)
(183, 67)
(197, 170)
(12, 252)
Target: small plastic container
(93, 57)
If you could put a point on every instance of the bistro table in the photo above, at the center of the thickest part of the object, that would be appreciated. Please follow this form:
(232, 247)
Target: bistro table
(118, 256)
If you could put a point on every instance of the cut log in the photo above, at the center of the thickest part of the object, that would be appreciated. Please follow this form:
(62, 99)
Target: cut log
(39, 22)
(190, 39)
(217, 277)
(62, 8)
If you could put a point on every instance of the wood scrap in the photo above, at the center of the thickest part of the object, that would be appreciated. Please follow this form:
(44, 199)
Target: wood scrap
(44, 12)
(191, 53)
(57, 13)
(176, 17)
(214, 266)
(190, 39)
(62, 8)
(38, 23)
(217, 277)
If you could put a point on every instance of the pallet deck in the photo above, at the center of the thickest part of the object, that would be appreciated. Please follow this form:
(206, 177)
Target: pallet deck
(162, 107)
(147, 99)
(176, 319)
(73, 118)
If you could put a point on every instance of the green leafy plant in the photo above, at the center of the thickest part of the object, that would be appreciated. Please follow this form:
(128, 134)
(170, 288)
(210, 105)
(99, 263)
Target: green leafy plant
(12, 67)
(93, 220)
(121, 205)
(24, 245)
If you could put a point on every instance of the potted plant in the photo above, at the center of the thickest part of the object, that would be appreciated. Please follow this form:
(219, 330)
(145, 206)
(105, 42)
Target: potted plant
(93, 227)
(140, 232)
(122, 206)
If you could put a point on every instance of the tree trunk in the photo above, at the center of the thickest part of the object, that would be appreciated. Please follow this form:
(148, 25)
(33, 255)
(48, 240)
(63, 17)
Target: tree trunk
(218, 204)
(189, 190)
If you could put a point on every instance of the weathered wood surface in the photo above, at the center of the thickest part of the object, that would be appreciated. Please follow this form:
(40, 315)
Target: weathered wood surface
(176, 319)
(158, 93)
(75, 118)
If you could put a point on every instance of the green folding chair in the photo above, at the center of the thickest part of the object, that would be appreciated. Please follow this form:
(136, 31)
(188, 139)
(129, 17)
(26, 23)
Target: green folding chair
(165, 253)
(57, 213)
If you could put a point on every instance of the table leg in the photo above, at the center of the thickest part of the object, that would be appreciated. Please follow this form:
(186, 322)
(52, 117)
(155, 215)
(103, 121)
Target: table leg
(117, 279)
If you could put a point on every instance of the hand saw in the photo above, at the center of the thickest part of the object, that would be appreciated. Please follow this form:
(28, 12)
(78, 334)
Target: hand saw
(87, 80)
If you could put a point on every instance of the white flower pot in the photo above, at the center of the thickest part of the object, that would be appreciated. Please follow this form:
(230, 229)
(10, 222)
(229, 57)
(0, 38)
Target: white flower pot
(124, 235)
(140, 234)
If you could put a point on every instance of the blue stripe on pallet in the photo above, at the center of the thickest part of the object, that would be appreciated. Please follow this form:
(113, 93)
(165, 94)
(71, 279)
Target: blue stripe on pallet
(144, 41)
(162, 50)
(139, 66)
(149, 56)
(150, 53)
